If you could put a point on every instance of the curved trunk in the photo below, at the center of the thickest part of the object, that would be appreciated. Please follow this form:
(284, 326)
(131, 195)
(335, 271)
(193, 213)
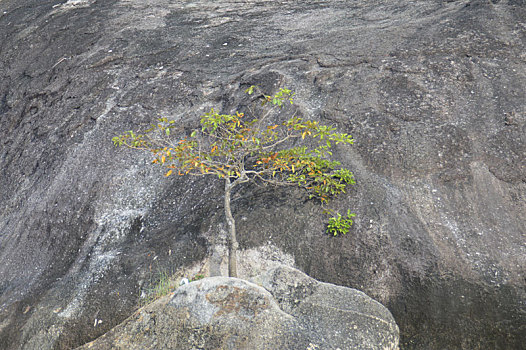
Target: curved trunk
(231, 223)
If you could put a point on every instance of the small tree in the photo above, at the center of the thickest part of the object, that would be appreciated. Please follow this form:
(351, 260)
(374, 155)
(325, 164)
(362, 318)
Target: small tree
(239, 149)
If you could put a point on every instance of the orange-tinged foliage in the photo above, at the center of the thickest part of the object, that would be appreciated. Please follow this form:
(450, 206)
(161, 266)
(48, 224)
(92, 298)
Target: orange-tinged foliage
(244, 148)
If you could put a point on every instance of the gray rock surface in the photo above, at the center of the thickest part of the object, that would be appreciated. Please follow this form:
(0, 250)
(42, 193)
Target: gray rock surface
(432, 91)
(230, 313)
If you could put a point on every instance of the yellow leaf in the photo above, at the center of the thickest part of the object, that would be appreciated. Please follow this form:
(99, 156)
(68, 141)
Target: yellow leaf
(163, 159)
(292, 168)
(168, 173)
(303, 135)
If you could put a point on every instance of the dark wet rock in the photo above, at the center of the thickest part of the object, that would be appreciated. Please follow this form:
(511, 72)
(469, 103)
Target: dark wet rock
(432, 91)
(289, 311)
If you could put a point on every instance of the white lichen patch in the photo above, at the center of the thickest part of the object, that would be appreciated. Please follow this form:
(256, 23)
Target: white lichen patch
(255, 260)
(75, 4)
(250, 262)
(112, 228)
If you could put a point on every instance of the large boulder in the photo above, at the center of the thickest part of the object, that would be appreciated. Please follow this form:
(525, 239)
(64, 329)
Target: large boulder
(288, 311)
(432, 91)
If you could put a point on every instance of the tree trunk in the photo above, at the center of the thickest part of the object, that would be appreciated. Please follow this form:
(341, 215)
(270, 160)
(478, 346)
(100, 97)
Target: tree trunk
(231, 223)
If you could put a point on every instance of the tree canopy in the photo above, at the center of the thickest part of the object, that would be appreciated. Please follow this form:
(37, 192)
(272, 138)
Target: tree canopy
(240, 148)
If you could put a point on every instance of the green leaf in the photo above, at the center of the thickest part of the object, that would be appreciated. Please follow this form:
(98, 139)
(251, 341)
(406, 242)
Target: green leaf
(250, 90)
(280, 154)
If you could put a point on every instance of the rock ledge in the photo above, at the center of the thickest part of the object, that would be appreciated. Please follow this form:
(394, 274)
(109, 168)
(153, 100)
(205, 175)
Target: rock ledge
(288, 311)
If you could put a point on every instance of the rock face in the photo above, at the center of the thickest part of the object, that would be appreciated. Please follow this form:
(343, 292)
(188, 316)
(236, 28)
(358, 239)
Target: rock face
(292, 311)
(432, 91)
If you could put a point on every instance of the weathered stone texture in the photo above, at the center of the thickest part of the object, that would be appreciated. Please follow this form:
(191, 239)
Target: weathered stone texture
(229, 313)
(432, 91)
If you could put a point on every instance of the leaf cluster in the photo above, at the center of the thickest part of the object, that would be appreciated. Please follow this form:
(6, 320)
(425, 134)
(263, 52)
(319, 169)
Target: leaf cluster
(241, 148)
(340, 224)
(247, 148)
